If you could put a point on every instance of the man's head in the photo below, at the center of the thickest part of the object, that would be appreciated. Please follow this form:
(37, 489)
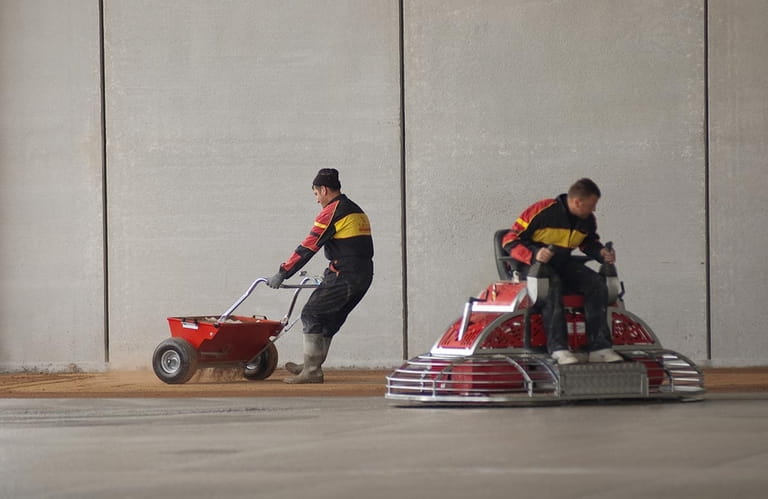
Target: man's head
(326, 185)
(583, 197)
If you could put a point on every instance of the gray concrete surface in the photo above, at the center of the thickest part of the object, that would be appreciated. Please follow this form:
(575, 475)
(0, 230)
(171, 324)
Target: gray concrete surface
(364, 447)
(738, 175)
(51, 206)
(217, 114)
(510, 102)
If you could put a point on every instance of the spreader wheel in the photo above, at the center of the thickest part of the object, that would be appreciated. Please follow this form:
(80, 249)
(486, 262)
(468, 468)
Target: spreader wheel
(175, 361)
(263, 365)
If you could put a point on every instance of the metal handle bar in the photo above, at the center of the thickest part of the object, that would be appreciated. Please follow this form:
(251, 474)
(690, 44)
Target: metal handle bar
(465, 316)
(297, 287)
(240, 300)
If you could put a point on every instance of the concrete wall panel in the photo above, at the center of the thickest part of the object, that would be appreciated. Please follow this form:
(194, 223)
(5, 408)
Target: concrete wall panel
(219, 114)
(738, 96)
(510, 102)
(51, 225)
(218, 117)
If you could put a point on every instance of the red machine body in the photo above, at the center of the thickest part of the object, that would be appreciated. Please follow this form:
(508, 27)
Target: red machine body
(236, 340)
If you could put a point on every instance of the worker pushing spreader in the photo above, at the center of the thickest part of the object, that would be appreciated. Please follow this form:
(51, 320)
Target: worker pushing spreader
(496, 352)
(225, 341)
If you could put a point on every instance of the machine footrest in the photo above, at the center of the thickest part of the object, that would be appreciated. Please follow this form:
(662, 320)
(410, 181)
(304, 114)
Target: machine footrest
(603, 380)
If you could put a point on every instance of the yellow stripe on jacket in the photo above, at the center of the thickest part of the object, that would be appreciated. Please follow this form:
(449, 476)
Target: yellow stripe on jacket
(565, 238)
(352, 225)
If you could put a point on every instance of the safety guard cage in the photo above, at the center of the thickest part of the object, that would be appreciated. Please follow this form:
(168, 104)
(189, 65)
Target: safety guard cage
(655, 373)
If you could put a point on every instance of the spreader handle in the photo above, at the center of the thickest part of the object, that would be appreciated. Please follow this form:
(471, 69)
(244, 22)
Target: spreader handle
(315, 282)
(240, 300)
(297, 287)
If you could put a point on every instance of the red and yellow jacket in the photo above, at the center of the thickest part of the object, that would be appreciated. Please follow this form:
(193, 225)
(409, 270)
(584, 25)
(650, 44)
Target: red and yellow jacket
(550, 222)
(345, 231)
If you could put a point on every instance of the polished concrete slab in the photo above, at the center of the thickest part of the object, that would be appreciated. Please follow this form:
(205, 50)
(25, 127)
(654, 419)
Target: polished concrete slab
(345, 447)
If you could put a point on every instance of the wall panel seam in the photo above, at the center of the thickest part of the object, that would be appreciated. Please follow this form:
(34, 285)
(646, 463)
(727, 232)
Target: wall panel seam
(105, 221)
(403, 199)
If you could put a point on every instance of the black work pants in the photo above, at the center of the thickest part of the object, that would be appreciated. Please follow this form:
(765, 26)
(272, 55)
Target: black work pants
(575, 277)
(329, 305)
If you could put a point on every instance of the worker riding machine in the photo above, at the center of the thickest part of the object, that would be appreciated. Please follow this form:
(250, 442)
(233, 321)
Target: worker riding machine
(496, 351)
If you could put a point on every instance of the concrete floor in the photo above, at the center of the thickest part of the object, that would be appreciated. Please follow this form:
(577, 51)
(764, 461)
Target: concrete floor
(309, 448)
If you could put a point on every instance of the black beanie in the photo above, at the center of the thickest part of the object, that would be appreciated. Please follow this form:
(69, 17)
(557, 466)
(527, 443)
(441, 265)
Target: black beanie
(328, 177)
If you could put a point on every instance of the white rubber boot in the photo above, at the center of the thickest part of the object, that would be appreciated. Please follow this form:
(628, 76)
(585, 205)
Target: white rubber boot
(295, 368)
(314, 355)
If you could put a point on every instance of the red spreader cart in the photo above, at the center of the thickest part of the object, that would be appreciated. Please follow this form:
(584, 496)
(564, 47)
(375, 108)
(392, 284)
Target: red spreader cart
(224, 341)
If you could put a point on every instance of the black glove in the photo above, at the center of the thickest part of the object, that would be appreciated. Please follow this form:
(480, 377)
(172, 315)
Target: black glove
(275, 281)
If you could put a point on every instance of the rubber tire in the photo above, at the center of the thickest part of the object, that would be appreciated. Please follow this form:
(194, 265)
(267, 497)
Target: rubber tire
(180, 359)
(263, 365)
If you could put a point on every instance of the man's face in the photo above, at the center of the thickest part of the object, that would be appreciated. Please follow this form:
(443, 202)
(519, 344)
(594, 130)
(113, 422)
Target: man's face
(321, 194)
(583, 208)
